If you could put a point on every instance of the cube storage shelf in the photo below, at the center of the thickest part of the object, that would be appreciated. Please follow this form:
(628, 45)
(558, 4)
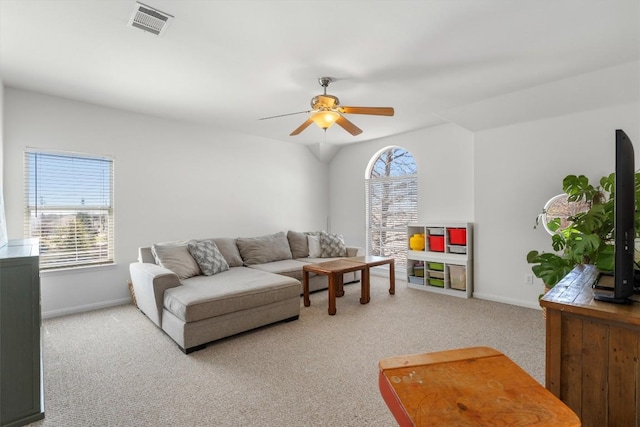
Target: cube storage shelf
(445, 263)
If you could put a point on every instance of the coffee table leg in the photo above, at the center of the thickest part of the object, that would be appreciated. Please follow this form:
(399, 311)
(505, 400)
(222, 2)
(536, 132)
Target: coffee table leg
(365, 294)
(305, 288)
(332, 294)
(392, 277)
(339, 281)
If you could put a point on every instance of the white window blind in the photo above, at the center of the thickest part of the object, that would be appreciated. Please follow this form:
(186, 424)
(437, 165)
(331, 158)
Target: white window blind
(69, 207)
(391, 204)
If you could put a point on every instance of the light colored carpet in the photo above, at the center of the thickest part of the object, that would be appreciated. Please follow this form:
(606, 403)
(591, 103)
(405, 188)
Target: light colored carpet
(113, 367)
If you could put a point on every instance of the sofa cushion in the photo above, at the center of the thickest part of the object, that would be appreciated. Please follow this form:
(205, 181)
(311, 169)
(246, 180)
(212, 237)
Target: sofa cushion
(286, 267)
(176, 257)
(229, 250)
(263, 249)
(298, 244)
(208, 257)
(332, 245)
(236, 289)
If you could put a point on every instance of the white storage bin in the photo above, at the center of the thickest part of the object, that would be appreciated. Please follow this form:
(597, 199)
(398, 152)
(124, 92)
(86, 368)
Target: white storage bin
(458, 277)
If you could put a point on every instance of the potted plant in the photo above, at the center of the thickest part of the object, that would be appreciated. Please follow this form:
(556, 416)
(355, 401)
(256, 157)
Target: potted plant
(588, 239)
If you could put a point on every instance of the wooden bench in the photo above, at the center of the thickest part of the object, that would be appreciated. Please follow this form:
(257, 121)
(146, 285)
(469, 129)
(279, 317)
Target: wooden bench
(476, 386)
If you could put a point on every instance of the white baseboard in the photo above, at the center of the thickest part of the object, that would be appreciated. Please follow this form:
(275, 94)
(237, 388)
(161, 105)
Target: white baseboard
(82, 308)
(497, 298)
(383, 271)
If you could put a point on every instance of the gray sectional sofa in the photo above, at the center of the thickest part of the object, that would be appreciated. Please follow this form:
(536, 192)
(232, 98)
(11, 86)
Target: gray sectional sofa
(202, 290)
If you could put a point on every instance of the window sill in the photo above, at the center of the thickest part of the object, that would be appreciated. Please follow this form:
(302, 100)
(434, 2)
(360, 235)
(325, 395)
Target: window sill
(82, 269)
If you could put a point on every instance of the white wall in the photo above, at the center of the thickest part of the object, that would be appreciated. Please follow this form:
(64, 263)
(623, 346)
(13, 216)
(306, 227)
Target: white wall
(518, 169)
(444, 156)
(499, 179)
(173, 180)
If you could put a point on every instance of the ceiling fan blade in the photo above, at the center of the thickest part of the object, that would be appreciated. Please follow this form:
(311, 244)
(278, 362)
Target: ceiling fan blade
(376, 111)
(301, 127)
(284, 115)
(348, 126)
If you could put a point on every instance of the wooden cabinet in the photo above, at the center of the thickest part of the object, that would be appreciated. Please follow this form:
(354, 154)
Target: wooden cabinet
(592, 352)
(21, 392)
(444, 264)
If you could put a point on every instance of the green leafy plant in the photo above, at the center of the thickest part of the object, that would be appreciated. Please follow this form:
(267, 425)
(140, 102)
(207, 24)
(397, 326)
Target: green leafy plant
(589, 237)
(549, 267)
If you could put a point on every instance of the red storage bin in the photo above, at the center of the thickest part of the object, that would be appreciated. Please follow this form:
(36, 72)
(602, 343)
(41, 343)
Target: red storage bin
(436, 243)
(457, 236)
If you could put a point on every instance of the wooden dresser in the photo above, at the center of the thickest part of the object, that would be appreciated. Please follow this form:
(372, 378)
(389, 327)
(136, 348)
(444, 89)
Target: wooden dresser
(21, 391)
(592, 352)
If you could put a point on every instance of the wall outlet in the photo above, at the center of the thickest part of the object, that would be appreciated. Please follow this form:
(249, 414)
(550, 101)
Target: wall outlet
(528, 279)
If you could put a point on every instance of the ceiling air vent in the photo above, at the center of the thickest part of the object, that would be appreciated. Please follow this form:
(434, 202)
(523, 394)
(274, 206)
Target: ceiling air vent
(149, 19)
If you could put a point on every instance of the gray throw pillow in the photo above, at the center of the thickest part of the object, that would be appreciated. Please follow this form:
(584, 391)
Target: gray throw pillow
(229, 250)
(264, 249)
(208, 257)
(332, 245)
(298, 244)
(176, 257)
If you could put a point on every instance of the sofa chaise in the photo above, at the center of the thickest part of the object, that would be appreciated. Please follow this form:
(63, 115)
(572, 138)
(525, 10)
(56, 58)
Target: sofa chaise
(199, 291)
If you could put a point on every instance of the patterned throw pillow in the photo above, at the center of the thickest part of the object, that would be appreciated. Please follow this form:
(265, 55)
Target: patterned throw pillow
(332, 245)
(208, 257)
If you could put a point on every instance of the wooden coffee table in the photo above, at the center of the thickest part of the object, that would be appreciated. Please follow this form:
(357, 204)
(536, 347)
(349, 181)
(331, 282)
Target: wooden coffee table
(374, 261)
(335, 270)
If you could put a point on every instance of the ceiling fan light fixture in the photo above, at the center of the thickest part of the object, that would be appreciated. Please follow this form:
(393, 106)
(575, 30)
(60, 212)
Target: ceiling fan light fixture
(326, 110)
(324, 119)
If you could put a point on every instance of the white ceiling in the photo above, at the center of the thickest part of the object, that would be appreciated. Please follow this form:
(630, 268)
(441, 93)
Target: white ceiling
(229, 63)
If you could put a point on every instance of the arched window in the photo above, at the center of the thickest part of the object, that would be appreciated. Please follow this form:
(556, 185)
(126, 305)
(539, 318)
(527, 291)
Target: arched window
(391, 202)
(556, 213)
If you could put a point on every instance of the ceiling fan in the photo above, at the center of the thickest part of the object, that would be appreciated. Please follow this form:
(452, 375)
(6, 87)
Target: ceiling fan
(326, 110)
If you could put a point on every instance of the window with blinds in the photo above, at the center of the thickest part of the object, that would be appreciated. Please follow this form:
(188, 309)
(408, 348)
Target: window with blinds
(69, 207)
(391, 203)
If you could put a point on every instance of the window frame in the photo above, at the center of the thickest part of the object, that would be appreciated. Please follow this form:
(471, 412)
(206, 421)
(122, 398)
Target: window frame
(409, 181)
(544, 219)
(77, 217)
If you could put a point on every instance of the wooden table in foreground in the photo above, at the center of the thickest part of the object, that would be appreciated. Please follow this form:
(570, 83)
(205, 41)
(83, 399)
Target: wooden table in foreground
(593, 352)
(467, 387)
(335, 270)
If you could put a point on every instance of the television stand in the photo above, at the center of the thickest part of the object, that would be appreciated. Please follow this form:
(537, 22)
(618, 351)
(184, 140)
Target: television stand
(605, 282)
(609, 296)
(592, 351)
(604, 289)
(636, 280)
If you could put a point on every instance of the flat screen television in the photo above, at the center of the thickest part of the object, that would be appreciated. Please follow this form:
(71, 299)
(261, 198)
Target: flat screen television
(624, 225)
